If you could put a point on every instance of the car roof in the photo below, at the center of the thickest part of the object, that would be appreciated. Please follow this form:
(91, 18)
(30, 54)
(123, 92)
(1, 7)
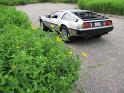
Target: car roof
(75, 10)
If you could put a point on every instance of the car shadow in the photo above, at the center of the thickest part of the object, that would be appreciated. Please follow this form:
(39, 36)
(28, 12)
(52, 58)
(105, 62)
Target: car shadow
(89, 42)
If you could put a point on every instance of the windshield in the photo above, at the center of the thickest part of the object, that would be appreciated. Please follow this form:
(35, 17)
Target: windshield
(86, 15)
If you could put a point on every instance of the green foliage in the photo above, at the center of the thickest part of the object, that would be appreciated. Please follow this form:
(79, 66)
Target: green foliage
(9, 15)
(33, 61)
(67, 1)
(106, 6)
(16, 2)
(23, 2)
(82, 3)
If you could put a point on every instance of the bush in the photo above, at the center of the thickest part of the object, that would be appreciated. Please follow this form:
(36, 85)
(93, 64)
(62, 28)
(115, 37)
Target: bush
(103, 6)
(82, 3)
(16, 2)
(31, 60)
(23, 2)
(67, 1)
(9, 15)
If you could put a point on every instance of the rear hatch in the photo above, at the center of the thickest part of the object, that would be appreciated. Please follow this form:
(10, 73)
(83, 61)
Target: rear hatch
(89, 15)
(92, 19)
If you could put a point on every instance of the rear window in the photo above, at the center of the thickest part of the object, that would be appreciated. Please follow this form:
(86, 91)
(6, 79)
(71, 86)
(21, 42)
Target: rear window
(86, 15)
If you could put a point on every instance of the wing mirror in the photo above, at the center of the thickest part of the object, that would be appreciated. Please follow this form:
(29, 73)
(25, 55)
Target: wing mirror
(76, 20)
(48, 16)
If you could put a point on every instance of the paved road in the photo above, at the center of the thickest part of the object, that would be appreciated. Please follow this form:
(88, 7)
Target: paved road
(102, 69)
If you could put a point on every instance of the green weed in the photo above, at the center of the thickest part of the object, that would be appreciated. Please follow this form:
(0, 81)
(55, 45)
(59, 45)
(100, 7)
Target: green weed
(31, 60)
(23, 2)
(103, 6)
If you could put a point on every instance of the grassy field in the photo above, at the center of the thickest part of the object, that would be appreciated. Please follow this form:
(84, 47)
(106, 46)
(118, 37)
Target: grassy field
(103, 6)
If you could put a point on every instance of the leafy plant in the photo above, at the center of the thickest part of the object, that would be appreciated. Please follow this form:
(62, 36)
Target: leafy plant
(9, 15)
(33, 61)
(103, 6)
(23, 2)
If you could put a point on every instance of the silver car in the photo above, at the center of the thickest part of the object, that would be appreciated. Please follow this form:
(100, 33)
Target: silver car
(70, 23)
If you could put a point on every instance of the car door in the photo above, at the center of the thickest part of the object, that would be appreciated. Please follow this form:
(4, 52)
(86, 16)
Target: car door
(47, 20)
(56, 20)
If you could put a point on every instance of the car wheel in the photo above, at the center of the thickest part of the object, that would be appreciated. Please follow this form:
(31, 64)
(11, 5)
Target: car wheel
(43, 27)
(65, 34)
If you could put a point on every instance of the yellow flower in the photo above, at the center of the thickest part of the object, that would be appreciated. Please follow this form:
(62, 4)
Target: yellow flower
(34, 28)
(84, 54)
(58, 39)
(13, 67)
(70, 53)
(34, 25)
(52, 26)
(60, 32)
(17, 47)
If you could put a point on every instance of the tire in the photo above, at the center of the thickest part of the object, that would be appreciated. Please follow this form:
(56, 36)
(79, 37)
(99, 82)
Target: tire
(43, 27)
(64, 34)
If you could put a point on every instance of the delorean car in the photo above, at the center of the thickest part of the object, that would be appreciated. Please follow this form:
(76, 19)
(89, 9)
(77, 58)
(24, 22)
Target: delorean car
(71, 23)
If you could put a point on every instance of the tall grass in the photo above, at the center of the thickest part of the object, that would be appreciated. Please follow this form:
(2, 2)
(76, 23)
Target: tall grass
(104, 6)
(9, 15)
(22, 2)
(17, 2)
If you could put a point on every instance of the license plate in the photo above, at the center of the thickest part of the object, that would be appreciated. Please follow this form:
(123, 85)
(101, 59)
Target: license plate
(97, 24)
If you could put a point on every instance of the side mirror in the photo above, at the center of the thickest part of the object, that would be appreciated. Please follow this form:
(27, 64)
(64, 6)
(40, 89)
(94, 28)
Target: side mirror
(48, 16)
(55, 16)
(76, 20)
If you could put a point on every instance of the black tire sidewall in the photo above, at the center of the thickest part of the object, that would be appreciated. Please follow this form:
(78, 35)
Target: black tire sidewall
(68, 34)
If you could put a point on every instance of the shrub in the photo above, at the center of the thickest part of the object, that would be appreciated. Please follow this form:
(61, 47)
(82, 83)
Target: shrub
(9, 15)
(104, 6)
(82, 3)
(68, 1)
(31, 60)
(16, 2)
(23, 2)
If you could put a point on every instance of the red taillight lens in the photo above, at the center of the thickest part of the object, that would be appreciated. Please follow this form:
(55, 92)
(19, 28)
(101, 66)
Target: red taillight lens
(87, 25)
(107, 23)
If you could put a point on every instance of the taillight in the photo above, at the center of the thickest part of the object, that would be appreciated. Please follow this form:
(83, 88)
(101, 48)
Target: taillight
(87, 25)
(107, 22)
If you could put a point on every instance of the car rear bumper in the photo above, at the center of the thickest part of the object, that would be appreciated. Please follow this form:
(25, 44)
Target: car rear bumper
(91, 32)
